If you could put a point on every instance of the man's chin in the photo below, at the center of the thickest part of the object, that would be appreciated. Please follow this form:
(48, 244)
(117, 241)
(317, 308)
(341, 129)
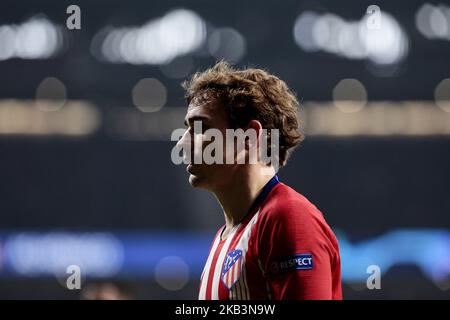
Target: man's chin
(194, 177)
(195, 181)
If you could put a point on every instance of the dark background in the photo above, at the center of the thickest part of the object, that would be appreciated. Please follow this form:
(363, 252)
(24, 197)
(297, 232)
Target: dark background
(366, 186)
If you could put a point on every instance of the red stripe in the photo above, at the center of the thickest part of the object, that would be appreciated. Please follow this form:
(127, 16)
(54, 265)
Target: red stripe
(223, 290)
(251, 274)
(241, 230)
(237, 237)
(227, 278)
(209, 253)
(212, 269)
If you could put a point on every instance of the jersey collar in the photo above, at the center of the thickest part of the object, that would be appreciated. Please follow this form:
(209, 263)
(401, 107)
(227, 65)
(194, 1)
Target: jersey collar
(264, 193)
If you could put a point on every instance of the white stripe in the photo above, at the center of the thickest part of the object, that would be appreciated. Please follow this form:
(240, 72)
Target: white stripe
(205, 274)
(243, 245)
(231, 278)
(218, 268)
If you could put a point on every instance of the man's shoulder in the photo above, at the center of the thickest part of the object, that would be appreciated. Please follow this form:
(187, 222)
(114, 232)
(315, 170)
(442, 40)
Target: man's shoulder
(285, 201)
(289, 215)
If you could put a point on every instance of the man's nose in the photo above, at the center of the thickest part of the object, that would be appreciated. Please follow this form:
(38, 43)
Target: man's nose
(187, 145)
(185, 142)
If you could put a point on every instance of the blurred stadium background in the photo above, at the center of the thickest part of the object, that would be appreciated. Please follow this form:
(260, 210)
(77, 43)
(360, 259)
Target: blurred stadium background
(86, 116)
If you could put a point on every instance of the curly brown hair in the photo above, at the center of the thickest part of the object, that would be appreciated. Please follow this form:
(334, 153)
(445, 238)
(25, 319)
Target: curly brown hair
(251, 94)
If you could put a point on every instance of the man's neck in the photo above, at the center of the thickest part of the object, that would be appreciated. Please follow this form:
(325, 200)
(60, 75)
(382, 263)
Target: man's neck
(237, 197)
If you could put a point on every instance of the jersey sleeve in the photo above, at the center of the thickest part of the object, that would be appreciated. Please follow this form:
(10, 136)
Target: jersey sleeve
(297, 254)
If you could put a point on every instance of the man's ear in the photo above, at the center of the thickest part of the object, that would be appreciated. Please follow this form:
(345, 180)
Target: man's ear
(256, 126)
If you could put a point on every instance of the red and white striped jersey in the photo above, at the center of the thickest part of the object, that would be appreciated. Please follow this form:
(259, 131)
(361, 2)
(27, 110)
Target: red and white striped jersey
(282, 249)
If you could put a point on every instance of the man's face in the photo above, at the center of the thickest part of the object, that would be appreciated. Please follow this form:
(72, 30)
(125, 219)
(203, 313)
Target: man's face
(212, 116)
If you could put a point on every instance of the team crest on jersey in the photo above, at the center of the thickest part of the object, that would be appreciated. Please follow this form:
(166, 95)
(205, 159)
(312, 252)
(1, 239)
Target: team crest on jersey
(232, 266)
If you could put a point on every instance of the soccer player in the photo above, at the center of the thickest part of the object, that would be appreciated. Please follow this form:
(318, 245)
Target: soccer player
(275, 244)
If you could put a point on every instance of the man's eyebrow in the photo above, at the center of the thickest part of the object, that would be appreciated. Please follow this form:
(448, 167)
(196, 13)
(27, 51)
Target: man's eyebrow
(195, 118)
